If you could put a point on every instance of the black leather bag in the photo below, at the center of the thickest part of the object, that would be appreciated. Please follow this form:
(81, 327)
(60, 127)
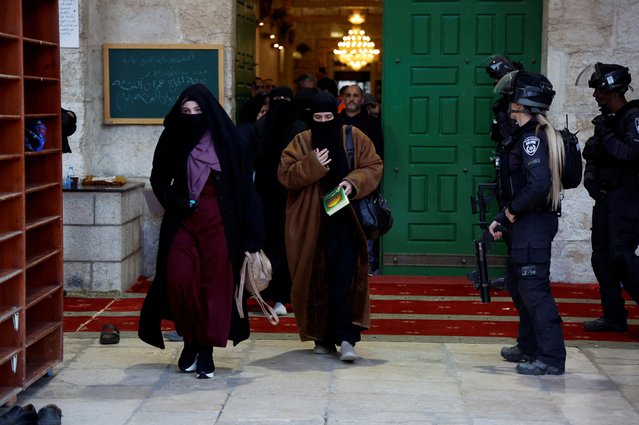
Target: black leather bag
(373, 211)
(374, 215)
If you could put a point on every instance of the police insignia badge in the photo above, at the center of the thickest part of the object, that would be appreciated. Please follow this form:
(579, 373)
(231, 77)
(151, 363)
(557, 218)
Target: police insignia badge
(637, 124)
(531, 144)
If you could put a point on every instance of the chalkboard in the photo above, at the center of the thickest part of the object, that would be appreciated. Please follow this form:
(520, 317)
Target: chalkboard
(142, 81)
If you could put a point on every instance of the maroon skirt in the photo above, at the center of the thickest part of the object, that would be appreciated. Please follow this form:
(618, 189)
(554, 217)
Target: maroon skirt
(200, 276)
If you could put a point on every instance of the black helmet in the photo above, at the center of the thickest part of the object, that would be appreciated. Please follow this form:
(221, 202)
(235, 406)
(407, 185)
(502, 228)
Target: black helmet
(610, 77)
(527, 88)
(497, 66)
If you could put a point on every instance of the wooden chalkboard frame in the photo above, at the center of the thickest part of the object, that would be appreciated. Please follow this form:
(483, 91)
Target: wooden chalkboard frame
(107, 72)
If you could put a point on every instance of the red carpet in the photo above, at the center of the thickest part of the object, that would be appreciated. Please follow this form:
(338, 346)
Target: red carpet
(400, 306)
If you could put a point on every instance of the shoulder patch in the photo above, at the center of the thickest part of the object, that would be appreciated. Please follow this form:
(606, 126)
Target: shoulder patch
(531, 144)
(637, 124)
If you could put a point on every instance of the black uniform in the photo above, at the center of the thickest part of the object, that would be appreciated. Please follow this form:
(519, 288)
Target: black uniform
(612, 179)
(525, 182)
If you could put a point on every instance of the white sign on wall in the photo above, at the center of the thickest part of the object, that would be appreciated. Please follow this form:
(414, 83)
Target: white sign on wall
(69, 27)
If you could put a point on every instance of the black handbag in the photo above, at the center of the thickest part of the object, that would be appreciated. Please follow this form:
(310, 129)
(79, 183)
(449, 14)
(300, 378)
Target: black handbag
(372, 211)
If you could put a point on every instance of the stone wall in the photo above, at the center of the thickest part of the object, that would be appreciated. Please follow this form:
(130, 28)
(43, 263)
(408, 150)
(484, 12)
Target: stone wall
(576, 33)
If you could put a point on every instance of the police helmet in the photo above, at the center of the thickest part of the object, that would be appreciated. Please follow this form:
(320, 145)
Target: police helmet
(497, 66)
(609, 77)
(527, 88)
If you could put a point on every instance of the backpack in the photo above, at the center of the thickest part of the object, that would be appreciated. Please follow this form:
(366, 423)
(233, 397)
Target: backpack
(35, 135)
(573, 167)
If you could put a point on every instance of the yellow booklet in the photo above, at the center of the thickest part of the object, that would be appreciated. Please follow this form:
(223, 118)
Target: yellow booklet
(335, 200)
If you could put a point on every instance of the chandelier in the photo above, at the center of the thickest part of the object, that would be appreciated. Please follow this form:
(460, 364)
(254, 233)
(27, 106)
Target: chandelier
(356, 49)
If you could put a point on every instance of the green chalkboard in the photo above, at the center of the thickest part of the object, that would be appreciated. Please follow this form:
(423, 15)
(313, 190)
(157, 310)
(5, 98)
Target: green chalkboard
(142, 81)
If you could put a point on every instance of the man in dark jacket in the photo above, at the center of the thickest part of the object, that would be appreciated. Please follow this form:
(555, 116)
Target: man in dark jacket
(354, 115)
(612, 180)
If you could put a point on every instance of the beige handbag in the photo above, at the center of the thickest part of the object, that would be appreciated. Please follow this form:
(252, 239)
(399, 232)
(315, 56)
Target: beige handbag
(255, 275)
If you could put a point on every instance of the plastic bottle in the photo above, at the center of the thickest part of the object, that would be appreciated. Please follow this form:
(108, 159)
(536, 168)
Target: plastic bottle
(70, 173)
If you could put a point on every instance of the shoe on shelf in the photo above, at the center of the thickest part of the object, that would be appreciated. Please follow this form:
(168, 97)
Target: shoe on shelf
(323, 348)
(188, 358)
(50, 415)
(538, 367)
(280, 309)
(347, 352)
(205, 366)
(605, 325)
(19, 415)
(515, 355)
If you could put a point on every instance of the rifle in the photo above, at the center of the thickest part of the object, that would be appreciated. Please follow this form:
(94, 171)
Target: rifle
(485, 194)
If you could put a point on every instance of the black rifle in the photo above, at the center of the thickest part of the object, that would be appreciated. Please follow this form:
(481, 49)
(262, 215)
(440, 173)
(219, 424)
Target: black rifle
(479, 203)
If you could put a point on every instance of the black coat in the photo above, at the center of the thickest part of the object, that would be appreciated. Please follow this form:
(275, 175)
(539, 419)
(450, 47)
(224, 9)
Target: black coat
(240, 207)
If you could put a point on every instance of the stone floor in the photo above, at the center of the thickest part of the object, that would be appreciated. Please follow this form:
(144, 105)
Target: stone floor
(280, 381)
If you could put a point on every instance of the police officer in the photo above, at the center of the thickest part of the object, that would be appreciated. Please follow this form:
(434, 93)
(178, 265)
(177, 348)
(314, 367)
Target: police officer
(502, 128)
(502, 125)
(612, 180)
(531, 183)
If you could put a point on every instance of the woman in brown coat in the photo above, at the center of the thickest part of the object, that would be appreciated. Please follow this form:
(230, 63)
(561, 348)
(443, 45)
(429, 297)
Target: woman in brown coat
(328, 256)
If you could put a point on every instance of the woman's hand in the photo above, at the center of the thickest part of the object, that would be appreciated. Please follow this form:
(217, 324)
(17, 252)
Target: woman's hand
(348, 187)
(496, 234)
(322, 157)
(510, 216)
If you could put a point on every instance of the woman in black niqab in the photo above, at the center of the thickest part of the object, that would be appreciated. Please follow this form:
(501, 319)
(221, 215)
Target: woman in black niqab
(202, 177)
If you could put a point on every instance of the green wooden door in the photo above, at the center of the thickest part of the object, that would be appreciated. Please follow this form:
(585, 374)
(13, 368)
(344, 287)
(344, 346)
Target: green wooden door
(436, 104)
(245, 52)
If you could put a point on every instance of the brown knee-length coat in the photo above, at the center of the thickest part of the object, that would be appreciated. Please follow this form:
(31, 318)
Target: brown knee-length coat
(300, 172)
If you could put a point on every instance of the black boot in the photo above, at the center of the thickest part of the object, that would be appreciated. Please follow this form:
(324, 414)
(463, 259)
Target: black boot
(205, 366)
(188, 357)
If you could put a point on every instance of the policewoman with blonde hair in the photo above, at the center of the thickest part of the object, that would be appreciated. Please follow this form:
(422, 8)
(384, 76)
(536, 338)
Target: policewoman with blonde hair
(530, 182)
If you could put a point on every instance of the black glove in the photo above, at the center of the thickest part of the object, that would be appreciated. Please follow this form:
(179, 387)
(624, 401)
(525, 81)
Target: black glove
(185, 207)
(602, 125)
(593, 186)
(593, 149)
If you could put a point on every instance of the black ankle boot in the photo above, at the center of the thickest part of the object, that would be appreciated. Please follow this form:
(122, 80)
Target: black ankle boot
(188, 357)
(205, 366)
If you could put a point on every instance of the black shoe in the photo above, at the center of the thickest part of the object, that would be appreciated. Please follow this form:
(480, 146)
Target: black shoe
(18, 415)
(205, 366)
(515, 355)
(538, 368)
(50, 415)
(188, 358)
(605, 325)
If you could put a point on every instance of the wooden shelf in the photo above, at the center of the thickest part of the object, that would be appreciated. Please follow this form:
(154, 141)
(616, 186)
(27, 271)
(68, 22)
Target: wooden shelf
(38, 330)
(37, 294)
(6, 274)
(31, 266)
(41, 221)
(43, 152)
(7, 353)
(7, 311)
(5, 236)
(32, 188)
(7, 36)
(36, 370)
(34, 260)
(28, 40)
(5, 196)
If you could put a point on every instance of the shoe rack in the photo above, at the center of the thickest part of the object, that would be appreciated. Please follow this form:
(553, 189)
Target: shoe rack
(31, 261)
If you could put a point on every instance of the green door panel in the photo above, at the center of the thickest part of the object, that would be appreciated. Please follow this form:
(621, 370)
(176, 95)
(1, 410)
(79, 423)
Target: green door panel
(437, 101)
(245, 53)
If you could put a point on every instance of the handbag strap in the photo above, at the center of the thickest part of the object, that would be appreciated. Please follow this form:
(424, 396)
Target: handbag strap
(350, 149)
(269, 312)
